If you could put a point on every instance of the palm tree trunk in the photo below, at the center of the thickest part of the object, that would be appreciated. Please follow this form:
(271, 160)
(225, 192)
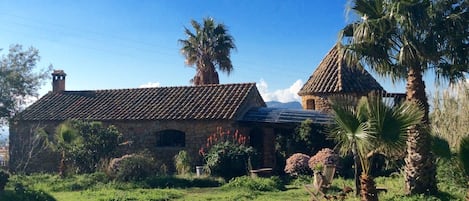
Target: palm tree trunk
(62, 166)
(368, 190)
(356, 169)
(420, 170)
(206, 74)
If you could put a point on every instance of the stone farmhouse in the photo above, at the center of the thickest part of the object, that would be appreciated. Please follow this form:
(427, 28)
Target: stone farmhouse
(165, 120)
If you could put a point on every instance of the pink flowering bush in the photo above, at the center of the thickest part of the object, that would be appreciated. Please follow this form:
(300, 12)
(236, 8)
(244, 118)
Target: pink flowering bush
(324, 157)
(297, 164)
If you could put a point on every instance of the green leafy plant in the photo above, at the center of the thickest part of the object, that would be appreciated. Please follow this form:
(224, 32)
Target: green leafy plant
(135, 167)
(83, 145)
(373, 126)
(182, 161)
(319, 167)
(256, 184)
(227, 154)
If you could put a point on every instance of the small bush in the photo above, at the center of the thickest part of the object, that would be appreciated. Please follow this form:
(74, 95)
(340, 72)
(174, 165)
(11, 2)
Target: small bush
(324, 157)
(448, 172)
(182, 162)
(256, 184)
(135, 167)
(297, 164)
(301, 180)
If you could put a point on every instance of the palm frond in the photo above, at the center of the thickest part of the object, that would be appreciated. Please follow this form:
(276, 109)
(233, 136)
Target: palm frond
(66, 135)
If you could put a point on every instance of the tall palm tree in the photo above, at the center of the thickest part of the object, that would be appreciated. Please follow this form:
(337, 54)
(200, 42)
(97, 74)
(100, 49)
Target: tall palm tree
(402, 39)
(208, 48)
(374, 126)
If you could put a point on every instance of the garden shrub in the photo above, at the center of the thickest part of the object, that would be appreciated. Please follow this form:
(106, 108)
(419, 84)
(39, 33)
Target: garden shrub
(324, 157)
(84, 145)
(226, 154)
(134, 167)
(182, 162)
(448, 172)
(297, 164)
(256, 184)
(308, 138)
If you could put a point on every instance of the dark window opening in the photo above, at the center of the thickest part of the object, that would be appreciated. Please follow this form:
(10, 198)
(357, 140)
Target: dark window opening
(310, 104)
(171, 138)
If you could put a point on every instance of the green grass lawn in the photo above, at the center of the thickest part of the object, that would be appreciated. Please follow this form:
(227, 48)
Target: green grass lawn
(98, 187)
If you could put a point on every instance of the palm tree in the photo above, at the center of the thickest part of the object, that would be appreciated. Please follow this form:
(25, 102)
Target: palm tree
(351, 131)
(208, 49)
(65, 138)
(374, 126)
(402, 40)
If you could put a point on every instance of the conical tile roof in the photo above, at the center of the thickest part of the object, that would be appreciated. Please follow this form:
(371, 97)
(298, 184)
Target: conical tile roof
(334, 76)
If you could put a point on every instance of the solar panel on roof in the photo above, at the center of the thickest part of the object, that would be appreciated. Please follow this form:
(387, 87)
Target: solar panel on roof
(282, 115)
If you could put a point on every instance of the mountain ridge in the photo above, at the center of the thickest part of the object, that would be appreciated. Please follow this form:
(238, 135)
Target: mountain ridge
(288, 105)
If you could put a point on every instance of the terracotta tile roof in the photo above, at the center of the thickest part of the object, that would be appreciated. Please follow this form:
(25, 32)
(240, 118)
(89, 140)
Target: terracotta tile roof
(334, 76)
(162, 103)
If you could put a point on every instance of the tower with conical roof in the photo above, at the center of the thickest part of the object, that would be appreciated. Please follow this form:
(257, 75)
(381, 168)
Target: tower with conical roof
(334, 77)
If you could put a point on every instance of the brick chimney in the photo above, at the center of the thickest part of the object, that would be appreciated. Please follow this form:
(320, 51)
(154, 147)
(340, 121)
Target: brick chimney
(58, 81)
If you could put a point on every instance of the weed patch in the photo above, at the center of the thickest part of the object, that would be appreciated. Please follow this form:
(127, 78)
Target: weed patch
(256, 184)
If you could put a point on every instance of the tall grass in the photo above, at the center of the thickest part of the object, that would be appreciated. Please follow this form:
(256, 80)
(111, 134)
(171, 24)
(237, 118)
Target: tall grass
(451, 113)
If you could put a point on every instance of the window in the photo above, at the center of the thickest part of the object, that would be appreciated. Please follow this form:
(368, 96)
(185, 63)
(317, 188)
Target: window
(170, 138)
(310, 104)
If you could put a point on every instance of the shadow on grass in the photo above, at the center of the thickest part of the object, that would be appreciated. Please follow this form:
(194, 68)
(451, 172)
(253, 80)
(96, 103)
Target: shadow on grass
(445, 196)
(175, 182)
(9, 195)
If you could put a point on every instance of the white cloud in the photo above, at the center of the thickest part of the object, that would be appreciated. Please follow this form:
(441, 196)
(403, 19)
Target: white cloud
(289, 94)
(150, 85)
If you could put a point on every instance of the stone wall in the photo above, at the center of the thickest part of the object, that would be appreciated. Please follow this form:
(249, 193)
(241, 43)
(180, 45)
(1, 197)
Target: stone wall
(26, 152)
(140, 135)
(316, 102)
(321, 102)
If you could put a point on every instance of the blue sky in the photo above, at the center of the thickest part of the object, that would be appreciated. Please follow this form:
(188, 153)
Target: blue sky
(127, 44)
